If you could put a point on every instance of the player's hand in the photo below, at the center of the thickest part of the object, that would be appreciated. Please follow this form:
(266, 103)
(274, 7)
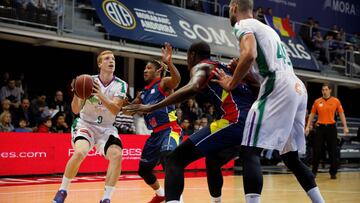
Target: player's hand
(346, 130)
(233, 63)
(166, 53)
(223, 80)
(73, 86)
(307, 131)
(138, 108)
(97, 90)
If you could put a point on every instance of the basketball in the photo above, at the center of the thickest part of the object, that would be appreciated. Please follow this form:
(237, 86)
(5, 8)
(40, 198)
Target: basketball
(83, 86)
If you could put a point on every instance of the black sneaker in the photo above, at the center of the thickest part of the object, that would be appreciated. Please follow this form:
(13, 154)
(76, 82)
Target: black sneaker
(60, 196)
(333, 177)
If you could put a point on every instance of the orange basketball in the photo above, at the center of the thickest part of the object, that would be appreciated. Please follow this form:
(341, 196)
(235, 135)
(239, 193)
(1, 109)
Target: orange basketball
(83, 86)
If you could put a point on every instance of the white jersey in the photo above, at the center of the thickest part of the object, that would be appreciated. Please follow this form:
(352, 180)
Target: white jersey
(276, 119)
(271, 53)
(93, 111)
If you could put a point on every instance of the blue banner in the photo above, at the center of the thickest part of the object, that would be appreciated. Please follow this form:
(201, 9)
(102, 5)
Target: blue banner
(155, 23)
(343, 13)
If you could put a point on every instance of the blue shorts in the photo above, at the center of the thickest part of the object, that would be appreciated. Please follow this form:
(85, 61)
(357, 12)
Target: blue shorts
(218, 136)
(165, 140)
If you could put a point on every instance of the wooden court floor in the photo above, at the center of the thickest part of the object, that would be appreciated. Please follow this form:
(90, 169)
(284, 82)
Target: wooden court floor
(277, 188)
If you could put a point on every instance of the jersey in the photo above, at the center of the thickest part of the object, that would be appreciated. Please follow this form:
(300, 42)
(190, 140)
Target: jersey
(271, 53)
(326, 109)
(232, 105)
(276, 119)
(93, 111)
(152, 94)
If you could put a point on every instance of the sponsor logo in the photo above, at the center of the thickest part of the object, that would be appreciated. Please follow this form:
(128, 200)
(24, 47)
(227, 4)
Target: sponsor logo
(155, 22)
(342, 7)
(207, 34)
(296, 50)
(12, 155)
(119, 14)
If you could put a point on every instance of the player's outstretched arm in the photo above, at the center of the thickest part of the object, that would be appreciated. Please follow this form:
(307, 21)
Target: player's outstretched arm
(196, 83)
(172, 82)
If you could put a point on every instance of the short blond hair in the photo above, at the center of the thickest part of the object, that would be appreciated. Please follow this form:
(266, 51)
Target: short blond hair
(100, 56)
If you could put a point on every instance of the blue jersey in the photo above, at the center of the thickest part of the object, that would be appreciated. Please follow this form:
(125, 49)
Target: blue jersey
(234, 105)
(153, 94)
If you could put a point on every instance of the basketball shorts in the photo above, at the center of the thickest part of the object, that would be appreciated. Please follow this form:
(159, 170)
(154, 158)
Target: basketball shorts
(166, 139)
(95, 134)
(276, 120)
(219, 136)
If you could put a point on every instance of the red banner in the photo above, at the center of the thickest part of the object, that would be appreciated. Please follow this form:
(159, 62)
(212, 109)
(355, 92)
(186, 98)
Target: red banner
(48, 153)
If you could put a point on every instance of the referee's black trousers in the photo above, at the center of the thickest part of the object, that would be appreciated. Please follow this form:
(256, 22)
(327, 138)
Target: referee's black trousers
(325, 134)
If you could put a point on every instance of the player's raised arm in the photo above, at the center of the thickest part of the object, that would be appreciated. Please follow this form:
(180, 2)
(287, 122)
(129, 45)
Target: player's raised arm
(172, 82)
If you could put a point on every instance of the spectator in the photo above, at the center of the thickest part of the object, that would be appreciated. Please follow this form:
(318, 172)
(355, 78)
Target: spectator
(197, 125)
(60, 125)
(210, 113)
(52, 11)
(24, 112)
(11, 92)
(204, 122)
(20, 8)
(35, 8)
(259, 14)
(22, 126)
(179, 115)
(186, 127)
(125, 123)
(5, 107)
(5, 78)
(191, 110)
(61, 106)
(326, 131)
(5, 122)
(38, 107)
(45, 125)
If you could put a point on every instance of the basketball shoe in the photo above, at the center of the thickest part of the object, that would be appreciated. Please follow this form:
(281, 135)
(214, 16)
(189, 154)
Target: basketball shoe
(60, 196)
(157, 199)
(105, 201)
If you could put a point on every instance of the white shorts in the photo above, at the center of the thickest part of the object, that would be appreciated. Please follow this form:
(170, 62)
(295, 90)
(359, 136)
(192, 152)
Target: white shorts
(277, 118)
(96, 135)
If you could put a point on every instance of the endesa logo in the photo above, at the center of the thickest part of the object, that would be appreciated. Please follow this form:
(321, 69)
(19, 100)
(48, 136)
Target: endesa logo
(119, 14)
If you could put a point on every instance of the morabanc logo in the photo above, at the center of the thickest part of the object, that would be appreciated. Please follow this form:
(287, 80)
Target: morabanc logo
(342, 7)
(119, 14)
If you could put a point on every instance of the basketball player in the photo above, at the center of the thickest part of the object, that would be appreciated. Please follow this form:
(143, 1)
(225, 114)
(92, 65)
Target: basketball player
(276, 120)
(95, 126)
(166, 135)
(221, 134)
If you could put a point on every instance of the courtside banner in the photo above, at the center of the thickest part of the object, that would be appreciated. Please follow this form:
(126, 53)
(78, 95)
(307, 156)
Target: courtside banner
(155, 23)
(43, 153)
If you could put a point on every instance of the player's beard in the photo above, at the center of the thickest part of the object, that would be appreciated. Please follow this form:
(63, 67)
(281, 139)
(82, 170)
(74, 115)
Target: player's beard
(233, 20)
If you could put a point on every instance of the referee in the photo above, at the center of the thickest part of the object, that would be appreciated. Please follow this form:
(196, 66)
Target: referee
(326, 131)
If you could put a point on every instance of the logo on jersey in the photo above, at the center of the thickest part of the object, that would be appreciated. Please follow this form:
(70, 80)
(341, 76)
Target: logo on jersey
(119, 14)
(152, 91)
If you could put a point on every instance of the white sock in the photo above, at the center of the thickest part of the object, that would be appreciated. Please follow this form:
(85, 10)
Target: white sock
(181, 199)
(65, 183)
(160, 191)
(216, 199)
(174, 201)
(252, 198)
(108, 192)
(315, 196)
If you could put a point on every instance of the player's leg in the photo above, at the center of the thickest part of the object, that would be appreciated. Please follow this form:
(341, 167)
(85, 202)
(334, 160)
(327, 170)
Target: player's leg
(113, 152)
(149, 159)
(252, 175)
(291, 159)
(214, 162)
(174, 170)
(81, 148)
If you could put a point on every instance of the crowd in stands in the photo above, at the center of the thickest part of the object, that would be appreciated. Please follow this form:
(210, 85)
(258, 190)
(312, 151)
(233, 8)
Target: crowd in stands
(38, 11)
(21, 112)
